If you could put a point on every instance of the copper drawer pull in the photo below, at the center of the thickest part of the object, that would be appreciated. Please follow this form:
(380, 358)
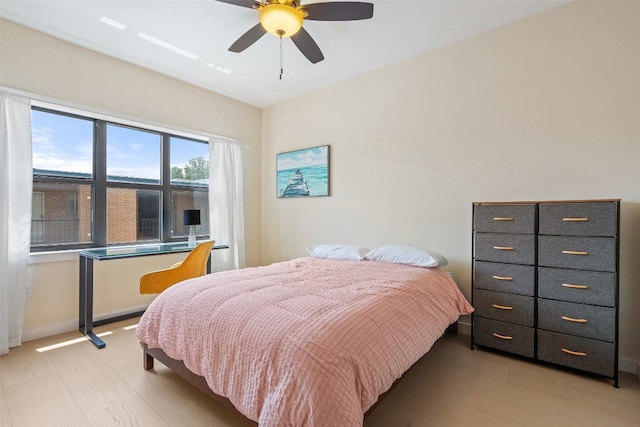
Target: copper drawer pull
(575, 219)
(573, 353)
(502, 337)
(502, 307)
(503, 219)
(502, 278)
(575, 252)
(503, 248)
(569, 285)
(571, 319)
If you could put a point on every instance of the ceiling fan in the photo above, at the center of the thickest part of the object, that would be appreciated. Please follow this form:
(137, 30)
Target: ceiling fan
(283, 18)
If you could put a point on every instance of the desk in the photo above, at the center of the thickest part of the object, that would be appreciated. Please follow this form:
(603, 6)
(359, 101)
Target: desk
(85, 319)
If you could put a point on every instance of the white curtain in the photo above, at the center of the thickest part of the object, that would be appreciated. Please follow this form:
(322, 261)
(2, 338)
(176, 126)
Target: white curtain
(226, 207)
(16, 183)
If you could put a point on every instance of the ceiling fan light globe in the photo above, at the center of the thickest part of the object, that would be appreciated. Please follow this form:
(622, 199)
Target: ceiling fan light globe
(280, 20)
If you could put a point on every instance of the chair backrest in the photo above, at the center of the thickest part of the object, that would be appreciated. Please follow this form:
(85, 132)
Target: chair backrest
(196, 261)
(194, 265)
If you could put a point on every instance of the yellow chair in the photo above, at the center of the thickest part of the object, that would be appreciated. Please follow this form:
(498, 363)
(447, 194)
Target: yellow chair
(194, 265)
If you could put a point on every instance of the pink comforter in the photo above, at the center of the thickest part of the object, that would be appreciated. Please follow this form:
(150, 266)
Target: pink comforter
(307, 342)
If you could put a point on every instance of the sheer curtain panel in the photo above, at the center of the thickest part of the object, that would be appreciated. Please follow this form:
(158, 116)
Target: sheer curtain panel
(226, 205)
(16, 183)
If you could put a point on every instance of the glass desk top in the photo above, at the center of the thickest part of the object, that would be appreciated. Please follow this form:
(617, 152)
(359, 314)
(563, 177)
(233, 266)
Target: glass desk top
(117, 252)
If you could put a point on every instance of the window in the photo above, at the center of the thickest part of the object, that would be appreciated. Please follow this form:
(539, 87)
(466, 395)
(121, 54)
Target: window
(98, 183)
(189, 172)
(72, 203)
(133, 155)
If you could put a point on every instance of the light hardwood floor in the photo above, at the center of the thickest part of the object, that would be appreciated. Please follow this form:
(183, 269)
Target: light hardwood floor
(79, 385)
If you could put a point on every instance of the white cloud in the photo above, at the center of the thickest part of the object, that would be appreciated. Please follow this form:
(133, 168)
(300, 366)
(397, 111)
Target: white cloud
(303, 158)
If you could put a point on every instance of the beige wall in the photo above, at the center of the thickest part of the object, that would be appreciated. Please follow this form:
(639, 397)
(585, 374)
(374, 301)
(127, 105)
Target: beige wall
(545, 108)
(51, 68)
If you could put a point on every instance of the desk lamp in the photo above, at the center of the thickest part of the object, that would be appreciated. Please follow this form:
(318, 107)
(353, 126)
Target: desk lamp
(191, 217)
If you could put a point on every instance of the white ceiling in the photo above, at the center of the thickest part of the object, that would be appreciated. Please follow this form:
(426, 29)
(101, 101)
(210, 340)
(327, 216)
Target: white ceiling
(398, 30)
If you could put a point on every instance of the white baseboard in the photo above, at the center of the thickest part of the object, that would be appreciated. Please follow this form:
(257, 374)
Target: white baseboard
(72, 325)
(628, 365)
(464, 328)
(625, 365)
(49, 330)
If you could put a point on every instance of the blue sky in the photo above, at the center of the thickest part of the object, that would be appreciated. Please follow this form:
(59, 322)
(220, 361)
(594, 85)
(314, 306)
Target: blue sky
(63, 143)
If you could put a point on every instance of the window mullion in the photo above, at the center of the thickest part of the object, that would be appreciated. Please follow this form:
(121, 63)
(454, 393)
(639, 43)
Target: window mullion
(100, 191)
(166, 189)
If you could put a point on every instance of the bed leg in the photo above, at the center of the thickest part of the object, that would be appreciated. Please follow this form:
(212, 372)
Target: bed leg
(453, 329)
(147, 361)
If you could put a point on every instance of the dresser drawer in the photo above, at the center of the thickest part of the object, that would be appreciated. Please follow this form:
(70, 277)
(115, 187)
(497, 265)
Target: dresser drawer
(512, 278)
(582, 286)
(506, 307)
(505, 218)
(578, 219)
(586, 253)
(503, 336)
(581, 320)
(580, 353)
(507, 248)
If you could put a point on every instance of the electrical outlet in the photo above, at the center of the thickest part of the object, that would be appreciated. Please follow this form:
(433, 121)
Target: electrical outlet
(28, 290)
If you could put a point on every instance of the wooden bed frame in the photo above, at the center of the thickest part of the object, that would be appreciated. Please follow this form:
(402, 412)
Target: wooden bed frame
(177, 366)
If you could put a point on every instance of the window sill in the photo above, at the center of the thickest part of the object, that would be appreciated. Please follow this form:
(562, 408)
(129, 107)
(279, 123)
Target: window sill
(53, 256)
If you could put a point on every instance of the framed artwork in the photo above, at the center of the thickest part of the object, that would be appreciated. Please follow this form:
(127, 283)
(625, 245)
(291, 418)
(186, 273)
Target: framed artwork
(303, 173)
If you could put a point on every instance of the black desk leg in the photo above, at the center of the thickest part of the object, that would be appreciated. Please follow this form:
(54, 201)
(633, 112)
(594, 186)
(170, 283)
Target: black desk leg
(85, 320)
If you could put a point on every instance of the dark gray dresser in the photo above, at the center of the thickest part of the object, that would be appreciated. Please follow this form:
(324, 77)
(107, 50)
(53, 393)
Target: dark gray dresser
(545, 281)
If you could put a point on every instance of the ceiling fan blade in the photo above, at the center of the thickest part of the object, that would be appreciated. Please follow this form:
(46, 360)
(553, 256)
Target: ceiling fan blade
(339, 11)
(241, 3)
(307, 46)
(248, 38)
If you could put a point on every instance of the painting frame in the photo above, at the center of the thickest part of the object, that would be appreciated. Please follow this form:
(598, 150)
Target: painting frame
(303, 173)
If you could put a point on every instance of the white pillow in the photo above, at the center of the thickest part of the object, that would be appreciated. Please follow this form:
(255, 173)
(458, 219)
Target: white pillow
(340, 252)
(409, 255)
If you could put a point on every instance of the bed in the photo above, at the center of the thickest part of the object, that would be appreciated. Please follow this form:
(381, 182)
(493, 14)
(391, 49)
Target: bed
(307, 342)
